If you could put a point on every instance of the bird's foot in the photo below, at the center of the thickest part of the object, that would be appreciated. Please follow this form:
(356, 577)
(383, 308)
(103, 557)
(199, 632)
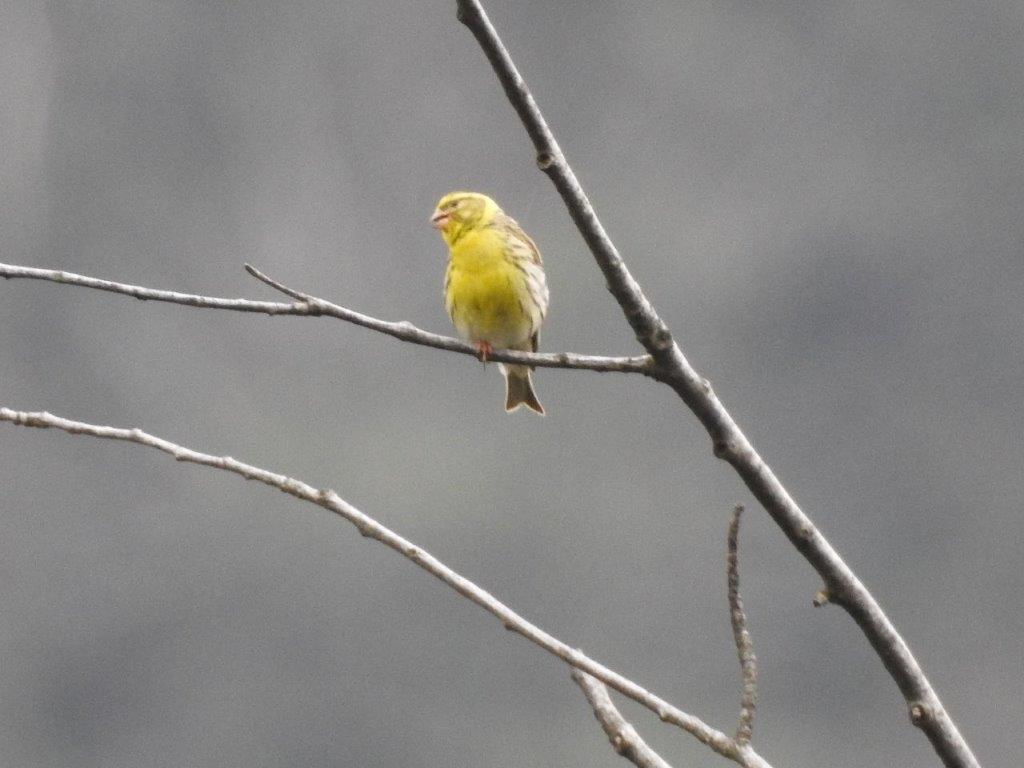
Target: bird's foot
(483, 350)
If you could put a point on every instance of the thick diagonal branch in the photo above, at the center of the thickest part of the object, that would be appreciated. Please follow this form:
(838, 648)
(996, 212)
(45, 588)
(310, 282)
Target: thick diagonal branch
(621, 734)
(370, 528)
(729, 442)
(311, 306)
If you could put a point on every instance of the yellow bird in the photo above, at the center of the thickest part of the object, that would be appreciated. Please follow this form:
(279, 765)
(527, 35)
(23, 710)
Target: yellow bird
(494, 288)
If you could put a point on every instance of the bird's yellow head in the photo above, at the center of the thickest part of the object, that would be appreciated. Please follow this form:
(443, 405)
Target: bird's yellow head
(461, 212)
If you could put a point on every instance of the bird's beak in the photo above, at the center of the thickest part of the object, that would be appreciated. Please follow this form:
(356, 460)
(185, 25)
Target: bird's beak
(439, 219)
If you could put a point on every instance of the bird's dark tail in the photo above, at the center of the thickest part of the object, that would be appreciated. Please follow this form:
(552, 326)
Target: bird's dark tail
(519, 389)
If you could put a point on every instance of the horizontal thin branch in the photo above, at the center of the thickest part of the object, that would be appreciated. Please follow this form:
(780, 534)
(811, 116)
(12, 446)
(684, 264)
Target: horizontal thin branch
(729, 442)
(740, 632)
(370, 528)
(310, 306)
(623, 736)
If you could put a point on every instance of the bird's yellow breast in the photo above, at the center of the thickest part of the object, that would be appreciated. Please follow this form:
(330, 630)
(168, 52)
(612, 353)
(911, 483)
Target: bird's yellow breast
(485, 291)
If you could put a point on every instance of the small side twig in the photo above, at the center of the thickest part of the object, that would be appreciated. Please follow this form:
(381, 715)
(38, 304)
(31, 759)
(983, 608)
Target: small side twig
(623, 736)
(267, 280)
(740, 633)
(306, 305)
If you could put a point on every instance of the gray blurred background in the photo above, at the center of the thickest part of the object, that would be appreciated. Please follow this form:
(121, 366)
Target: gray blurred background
(823, 199)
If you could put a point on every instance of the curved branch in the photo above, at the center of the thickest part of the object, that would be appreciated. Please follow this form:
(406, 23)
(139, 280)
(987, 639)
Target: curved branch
(310, 306)
(370, 528)
(623, 736)
(740, 633)
(730, 443)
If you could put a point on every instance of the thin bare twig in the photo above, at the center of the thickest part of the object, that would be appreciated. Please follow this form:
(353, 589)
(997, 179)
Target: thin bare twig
(623, 736)
(370, 528)
(740, 633)
(729, 442)
(310, 306)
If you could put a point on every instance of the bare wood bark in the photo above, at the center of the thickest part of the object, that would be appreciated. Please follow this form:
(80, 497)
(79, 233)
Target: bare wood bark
(311, 306)
(370, 528)
(729, 442)
(740, 632)
(621, 734)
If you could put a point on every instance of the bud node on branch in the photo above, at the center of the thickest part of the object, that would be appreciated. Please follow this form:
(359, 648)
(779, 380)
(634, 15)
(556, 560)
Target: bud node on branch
(922, 714)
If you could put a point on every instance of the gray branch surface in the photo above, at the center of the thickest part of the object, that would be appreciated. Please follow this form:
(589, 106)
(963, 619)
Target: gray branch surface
(740, 632)
(623, 736)
(370, 528)
(729, 442)
(306, 305)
